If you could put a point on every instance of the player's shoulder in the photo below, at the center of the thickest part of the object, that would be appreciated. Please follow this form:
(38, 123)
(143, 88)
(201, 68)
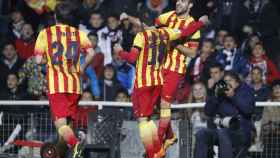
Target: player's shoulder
(140, 34)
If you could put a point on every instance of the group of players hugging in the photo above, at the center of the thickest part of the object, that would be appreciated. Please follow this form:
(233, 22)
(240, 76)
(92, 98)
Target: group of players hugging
(161, 53)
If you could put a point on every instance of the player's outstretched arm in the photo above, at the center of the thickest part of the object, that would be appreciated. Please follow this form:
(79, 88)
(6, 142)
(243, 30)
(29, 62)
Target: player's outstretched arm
(194, 26)
(88, 59)
(131, 56)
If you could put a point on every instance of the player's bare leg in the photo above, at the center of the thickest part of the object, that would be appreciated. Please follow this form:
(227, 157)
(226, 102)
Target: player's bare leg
(165, 132)
(61, 147)
(146, 136)
(158, 148)
(66, 132)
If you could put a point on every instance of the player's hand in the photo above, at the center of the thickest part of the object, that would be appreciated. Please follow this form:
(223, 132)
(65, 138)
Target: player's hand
(204, 19)
(123, 16)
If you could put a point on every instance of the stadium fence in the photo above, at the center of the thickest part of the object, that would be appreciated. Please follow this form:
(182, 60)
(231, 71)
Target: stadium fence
(112, 132)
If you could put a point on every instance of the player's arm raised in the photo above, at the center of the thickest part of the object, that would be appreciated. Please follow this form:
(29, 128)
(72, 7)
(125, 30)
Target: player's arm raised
(193, 27)
(88, 50)
(40, 48)
(131, 56)
(88, 59)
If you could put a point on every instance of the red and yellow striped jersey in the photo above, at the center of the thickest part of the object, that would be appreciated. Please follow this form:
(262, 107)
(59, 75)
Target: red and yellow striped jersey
(175, 61)
(153, 44)
(62, 45)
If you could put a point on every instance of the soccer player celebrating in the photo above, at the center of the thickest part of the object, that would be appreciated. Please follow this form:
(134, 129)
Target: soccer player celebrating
(148, 51)
(59, 46)
(175, 64)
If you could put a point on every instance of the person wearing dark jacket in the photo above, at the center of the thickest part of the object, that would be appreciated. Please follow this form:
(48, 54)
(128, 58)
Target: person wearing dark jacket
(232, 58)
(236, 100)
(261, 90)
(200, 65)
(9, 63)
(109, 85)
(13, 91)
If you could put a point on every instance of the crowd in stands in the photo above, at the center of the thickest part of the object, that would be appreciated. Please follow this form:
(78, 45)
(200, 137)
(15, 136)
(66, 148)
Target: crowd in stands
(242, 37)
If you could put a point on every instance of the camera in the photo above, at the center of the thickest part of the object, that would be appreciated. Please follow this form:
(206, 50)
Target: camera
(220, 88)
(228, 122)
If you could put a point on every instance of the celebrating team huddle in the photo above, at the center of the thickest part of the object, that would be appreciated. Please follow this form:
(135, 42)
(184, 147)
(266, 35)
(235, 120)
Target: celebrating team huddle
(161, 54)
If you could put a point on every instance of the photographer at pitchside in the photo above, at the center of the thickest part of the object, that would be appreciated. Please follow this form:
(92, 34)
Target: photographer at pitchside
(229, 107)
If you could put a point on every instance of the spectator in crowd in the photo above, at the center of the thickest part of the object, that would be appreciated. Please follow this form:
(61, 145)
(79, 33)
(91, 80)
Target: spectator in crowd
(255, 8)
(249, 44)
(197, 117)
(88, 8)
(151, 9)
(98, 59)
(231, 14)
(122, 96)
(216, 73)
(232, 58)
(260, 59)
(109, 36)
(198, 93)
(269, 27)
(220, 38)
(270, 124)
(13, 91)
(34, 75)
(25, 44)
(271, 114)
(127, 35)
(199, 66)
(110, 84)
(16, 24)
(83, 111)
(129, 32)
(237, 100)
(94, 24)
(9, 63)
(261, 90)
(125, 72)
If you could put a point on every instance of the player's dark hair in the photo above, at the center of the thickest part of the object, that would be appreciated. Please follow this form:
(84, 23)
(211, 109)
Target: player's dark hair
(65, 13)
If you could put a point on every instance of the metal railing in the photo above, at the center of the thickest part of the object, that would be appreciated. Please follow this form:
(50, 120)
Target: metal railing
(25, 124)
